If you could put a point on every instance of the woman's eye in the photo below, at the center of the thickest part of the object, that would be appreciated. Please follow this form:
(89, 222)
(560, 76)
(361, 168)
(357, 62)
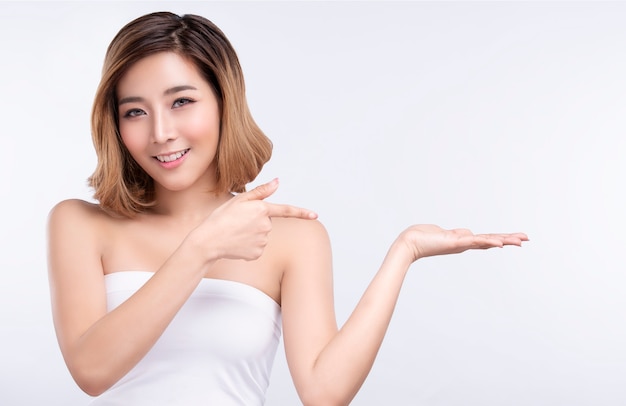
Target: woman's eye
(181, 102)
(134, 113)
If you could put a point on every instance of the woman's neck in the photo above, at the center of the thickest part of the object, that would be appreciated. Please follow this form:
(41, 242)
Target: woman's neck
(192, 204)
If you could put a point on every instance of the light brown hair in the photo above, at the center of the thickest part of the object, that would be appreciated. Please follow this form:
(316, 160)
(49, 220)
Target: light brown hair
(120, 185)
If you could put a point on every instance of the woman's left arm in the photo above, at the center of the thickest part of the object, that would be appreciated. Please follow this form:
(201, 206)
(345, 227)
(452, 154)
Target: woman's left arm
(328, 365)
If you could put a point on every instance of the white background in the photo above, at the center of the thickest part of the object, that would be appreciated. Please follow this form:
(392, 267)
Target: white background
(496, 116)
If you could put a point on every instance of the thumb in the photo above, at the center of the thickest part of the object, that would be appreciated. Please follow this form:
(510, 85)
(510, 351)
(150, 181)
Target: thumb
(262, 191)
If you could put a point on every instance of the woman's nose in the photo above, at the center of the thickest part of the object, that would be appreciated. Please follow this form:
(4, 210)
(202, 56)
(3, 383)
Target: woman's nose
(162, 130)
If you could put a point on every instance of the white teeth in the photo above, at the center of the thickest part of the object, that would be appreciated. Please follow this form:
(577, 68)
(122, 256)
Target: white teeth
(172, 157)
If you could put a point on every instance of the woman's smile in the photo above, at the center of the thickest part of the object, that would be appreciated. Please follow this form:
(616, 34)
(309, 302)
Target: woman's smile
(172, 160)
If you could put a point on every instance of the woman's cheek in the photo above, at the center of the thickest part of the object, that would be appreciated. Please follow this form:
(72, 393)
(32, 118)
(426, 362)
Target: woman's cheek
(199, 127)
(131, 136)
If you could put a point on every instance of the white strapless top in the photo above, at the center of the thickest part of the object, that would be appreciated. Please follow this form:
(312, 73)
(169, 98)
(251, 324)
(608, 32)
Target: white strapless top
(218, 350)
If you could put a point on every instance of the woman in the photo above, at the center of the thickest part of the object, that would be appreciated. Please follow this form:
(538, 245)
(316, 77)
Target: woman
(175, 287)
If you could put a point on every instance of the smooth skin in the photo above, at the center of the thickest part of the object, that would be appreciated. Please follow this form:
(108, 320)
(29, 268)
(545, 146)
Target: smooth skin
(167, 107)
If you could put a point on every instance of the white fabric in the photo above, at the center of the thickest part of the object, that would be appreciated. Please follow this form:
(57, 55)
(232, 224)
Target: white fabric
(218, 350)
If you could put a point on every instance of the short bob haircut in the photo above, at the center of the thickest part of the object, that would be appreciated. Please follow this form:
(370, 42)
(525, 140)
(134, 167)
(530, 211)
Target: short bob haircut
(121, 186)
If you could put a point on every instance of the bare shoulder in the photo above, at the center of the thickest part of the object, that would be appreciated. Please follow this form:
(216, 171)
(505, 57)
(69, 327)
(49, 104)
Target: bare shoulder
(295, 232)
(78, 222)
(71, 208)
(75, 212)
(298, 242)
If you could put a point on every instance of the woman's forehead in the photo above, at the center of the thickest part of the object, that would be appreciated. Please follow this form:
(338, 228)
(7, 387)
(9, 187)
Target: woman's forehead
(155, 74)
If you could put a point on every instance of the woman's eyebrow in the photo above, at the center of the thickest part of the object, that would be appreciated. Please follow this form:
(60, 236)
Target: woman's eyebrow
(132, 99)
(171, 90)
(176, 89)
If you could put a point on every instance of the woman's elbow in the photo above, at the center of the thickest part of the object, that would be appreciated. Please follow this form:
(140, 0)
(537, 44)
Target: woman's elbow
(91, 380)
(325, 398)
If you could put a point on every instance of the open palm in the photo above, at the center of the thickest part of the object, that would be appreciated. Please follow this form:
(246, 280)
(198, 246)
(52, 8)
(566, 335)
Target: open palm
(427, 240)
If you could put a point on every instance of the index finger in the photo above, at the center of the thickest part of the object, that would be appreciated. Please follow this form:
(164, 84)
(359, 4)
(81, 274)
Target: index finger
(261, 192)
(285, 210)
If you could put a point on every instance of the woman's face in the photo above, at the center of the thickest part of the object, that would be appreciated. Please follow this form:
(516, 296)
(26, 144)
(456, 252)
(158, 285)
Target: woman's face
(169, 120)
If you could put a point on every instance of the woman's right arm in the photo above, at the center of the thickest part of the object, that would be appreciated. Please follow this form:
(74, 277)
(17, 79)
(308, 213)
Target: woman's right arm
(99, 348)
